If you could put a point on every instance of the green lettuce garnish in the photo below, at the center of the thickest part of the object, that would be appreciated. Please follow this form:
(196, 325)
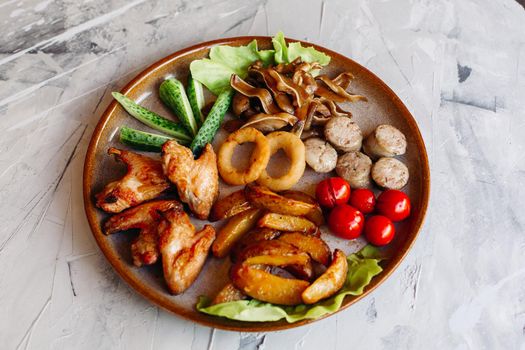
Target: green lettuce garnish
(281, 50)
(286, 54)
(215, 72)
(362, 267)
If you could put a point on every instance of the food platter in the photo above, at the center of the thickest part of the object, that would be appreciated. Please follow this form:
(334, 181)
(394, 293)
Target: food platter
(383, 107)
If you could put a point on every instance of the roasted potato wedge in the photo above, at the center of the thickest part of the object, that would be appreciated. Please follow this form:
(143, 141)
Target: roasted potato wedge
(302, 271)
(314, 246)
(234, 229)
(316, 214)
(253, 237)
(264, 286)
(229, 206)
(264, 198)
(228, 293)
(330, 282)
(278, 260)
(272, 247)
(287, 223)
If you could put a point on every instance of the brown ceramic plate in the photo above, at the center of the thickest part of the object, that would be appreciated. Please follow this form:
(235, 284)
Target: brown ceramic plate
(383, 107)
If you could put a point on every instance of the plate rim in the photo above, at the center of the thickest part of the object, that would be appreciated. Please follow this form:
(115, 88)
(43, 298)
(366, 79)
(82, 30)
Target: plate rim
(213, 321)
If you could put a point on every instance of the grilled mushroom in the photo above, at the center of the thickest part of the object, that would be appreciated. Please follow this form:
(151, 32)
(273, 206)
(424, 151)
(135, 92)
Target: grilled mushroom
(240, 103)
(285, 84)
(270, 122)
(263, 95)
(281, 98)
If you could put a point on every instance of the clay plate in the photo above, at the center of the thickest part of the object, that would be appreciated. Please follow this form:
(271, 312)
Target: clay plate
(383, 107)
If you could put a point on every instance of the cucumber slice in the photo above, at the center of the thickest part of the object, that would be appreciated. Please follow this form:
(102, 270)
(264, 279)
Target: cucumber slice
(143, 141)
(196, 98)
(213, 121)
(152, 119)
(173, 95)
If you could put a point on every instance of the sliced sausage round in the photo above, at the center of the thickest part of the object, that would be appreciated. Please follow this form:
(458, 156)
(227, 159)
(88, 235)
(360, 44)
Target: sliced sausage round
(320, 155)
(385, 141)
(343, 134)
(390, 173)
(354, 167)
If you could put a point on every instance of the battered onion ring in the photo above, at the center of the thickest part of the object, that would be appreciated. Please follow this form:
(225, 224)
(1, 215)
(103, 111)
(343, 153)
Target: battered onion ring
(295, 150)
(258, 159)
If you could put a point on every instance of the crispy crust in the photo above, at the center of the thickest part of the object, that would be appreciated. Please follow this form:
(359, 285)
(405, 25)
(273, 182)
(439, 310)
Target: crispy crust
(295, 150)
(258, 160)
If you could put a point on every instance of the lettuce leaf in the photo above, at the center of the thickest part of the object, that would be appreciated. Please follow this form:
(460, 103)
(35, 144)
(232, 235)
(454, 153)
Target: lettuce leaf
(214, 75)
(286, 54)
(362, 267)
(236, 58)
(281, 50)
(307, 54)
(215, 72)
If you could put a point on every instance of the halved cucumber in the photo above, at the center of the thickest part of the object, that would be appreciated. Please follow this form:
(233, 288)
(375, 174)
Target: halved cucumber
(196, 98)
(152, 119)
(143, 141)
(172, 93)
(213, 121)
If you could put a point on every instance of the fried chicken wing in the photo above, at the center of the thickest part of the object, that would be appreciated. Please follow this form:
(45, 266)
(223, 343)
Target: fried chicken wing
(183, 251)
(145, 217)
(197, 180)
(144, 180)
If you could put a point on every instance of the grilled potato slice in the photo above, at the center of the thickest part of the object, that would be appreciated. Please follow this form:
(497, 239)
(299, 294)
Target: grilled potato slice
(330, 282)
(314, 246)
(228, 293)
(278, 260)
(255, 236)
(287, 223)
(229, 206)
(303, 270)
(264, 198)
(272, 247)
(234, 229)
(264, 286)
(316, 214)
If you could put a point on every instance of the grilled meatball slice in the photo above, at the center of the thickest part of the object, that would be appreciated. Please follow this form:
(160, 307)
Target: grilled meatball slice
(343, 134)
(390, 173)
(320, 155)
(385, 141)
(354, 167)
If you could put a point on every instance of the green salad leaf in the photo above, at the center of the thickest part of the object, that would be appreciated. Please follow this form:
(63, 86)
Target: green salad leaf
(215, 72)
(281, 50)
(238, 59)
(307, 54)
(362, 267)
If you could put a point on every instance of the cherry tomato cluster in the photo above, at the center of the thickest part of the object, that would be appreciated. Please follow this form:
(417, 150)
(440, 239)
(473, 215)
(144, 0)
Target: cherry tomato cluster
(348, 207)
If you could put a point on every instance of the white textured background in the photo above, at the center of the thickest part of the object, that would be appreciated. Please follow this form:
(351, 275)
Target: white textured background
(459, 65)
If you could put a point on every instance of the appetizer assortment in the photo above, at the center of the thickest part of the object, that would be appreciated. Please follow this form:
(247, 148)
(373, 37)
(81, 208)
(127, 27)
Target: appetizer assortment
(270, 234)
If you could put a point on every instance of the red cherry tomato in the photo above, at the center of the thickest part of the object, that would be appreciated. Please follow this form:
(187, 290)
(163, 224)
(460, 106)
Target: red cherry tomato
(346, 221)
(379, 230)
(363, 200)
(393, 204)
(332, 191)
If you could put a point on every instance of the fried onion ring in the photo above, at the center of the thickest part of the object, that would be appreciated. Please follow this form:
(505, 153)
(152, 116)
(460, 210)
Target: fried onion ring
(295, 150)
(258, 159)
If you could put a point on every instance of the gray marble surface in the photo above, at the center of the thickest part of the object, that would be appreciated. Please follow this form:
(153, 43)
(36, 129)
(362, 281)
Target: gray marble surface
(459, 65)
